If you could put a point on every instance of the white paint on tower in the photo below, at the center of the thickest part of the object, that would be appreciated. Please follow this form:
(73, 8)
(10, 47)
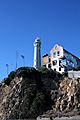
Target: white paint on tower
(37, 53)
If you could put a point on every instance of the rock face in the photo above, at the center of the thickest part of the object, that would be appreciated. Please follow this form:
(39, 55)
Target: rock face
(9, 97)
(69, 96)
(66, 99)
(28, 93)
(25, 93)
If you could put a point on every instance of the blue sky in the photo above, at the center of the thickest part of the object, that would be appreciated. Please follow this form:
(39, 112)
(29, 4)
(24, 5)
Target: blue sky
(21, 21)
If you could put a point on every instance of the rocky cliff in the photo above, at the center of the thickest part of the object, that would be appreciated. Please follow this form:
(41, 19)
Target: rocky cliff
(28, 93)
(66, 99)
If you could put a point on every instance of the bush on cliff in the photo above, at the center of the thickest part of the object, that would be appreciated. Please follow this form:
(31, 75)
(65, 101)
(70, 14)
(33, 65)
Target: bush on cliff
(9, 78)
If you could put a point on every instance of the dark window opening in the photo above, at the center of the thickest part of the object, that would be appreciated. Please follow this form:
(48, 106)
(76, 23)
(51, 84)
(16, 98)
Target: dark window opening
(60, 69)
(44, 65)
(49, 65)
(58, 53)
(49, 60)
(55, 62)
(54, 54)
(59, 62)
(77, 62)
(54, 69)
(65, 69)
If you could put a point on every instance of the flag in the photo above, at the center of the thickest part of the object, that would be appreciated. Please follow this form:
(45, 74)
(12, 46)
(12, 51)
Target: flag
(7, 65)
(22, 56)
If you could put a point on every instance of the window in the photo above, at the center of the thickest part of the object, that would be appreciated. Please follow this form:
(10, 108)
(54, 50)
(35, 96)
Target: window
(49, 60)
(77, 62)
(44, 65)
(49, 65)
(54, 69)
(60, 69)
(54, 54)
(55, 62)
(59, 62)
(64, 62)
(58, 53)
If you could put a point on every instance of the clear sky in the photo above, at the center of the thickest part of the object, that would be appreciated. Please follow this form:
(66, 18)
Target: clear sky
(21, 21)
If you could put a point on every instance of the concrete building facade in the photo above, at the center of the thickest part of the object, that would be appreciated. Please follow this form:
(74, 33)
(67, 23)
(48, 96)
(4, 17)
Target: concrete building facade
(60, 59)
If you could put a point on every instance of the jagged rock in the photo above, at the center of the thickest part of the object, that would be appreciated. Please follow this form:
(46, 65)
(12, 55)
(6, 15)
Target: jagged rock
(30, 93)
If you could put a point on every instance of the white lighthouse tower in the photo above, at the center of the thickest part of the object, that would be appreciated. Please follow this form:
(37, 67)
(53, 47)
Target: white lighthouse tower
(37, 53)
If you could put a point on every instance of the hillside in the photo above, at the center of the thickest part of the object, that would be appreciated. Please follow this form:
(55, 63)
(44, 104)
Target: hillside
(28, 93)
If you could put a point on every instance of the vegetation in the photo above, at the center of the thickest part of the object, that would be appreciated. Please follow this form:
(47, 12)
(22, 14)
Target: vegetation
(9, 78)
(76, 69)
(28, 93)
(34, 93)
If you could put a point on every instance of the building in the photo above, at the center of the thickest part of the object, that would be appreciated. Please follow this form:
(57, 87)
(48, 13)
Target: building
(60, 59)
(37, 53)
(74, 74)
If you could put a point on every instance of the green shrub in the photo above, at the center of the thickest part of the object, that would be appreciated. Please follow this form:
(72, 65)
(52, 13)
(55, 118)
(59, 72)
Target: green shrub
(9, 78)
(12, 75)
(25, 72)
(76, 69)
(7, 81)
(38, 105)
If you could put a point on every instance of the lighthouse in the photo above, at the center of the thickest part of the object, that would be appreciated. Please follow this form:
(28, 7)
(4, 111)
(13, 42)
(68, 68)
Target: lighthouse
(37, 53)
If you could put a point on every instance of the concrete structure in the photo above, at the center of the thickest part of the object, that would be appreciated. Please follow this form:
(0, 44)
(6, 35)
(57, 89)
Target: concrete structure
(74, 74)
(37, 53)
(59, 118)
(60, 59)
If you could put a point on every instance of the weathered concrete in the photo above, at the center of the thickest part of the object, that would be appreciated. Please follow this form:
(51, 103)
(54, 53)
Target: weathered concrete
(62, 118)
(74, 74)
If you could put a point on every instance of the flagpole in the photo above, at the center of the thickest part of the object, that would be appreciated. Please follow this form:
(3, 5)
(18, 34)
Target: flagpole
(23, 60)
(16, 59)
(7, 66)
